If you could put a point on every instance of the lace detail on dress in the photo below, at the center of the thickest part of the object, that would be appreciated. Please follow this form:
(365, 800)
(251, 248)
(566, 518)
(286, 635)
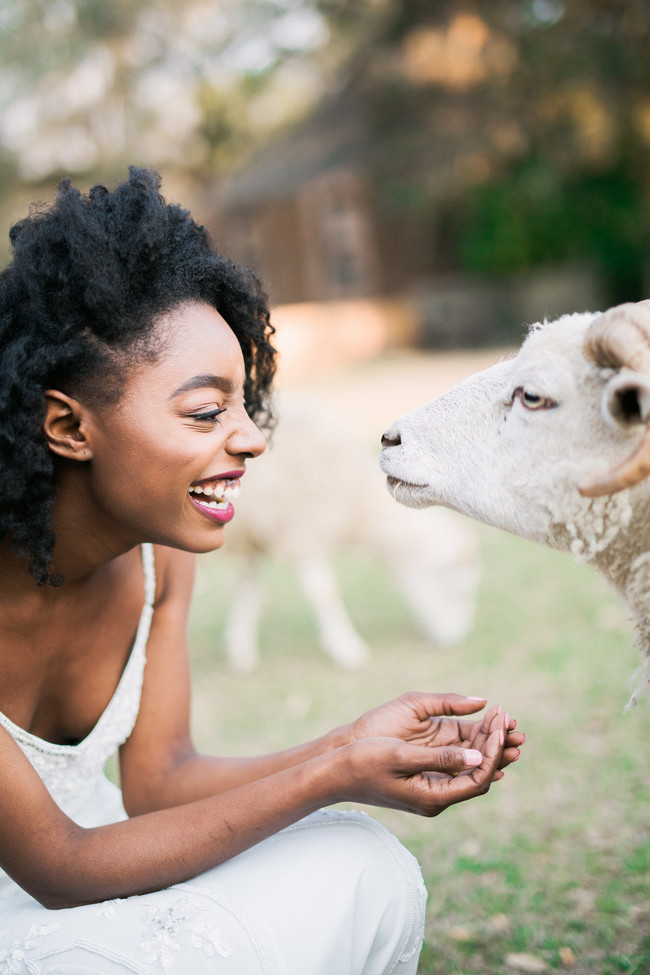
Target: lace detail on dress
(170, 927)
(13, 956)
(67, 770)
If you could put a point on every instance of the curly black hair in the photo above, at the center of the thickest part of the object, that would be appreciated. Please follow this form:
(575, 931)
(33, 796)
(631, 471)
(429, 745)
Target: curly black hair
(89, 277)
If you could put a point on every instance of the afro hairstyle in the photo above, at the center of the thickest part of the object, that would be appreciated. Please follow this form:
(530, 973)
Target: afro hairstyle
(88, 280)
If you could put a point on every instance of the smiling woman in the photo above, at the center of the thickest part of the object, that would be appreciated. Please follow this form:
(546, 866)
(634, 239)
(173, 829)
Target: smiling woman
(174, 431)
(82, 306)
(135, 366)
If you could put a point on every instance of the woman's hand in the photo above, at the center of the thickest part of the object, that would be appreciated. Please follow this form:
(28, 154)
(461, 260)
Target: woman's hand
(423, 777)
(438, 720)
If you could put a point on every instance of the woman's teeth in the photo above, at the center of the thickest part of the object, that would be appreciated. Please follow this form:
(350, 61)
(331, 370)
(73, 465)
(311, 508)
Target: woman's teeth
(222, 493)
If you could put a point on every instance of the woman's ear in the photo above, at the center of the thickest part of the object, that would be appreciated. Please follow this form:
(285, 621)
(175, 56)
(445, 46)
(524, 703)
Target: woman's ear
(65, 427)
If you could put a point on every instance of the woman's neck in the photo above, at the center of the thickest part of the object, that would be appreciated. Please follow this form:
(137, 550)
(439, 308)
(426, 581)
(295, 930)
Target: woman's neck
(76, 566)
(86, 539)
(86, 542)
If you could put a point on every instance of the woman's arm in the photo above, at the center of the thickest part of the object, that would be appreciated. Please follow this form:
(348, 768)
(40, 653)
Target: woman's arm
(159, 765)
(192, 812)
(64, 865)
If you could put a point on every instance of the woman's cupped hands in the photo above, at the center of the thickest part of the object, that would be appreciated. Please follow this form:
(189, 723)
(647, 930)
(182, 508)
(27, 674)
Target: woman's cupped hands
(422, 753)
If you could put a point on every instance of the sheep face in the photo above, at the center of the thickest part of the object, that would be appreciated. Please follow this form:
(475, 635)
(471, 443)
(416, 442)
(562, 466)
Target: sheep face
(511, 445)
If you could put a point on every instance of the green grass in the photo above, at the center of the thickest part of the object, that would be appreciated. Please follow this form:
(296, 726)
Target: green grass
(557, 856)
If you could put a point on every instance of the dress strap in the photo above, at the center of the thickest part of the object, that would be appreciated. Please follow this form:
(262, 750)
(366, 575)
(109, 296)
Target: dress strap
(149, 569)
(118, 718)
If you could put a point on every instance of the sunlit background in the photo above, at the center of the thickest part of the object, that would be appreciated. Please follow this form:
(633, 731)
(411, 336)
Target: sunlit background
(414, 181)
(483, 162)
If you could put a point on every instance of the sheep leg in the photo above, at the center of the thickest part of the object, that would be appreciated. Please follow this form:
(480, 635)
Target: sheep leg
(442, 599)
(241, 635)
(338, 637)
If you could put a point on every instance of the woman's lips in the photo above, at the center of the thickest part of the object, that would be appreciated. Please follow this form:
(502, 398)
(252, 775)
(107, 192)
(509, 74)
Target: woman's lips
(213, 496)
(220, 515)
(227, 476)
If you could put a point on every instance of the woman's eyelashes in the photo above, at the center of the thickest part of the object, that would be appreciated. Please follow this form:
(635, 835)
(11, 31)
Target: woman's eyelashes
(210, 416)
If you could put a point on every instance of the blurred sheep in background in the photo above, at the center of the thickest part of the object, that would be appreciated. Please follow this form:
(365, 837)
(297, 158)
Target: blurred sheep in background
(317, 493)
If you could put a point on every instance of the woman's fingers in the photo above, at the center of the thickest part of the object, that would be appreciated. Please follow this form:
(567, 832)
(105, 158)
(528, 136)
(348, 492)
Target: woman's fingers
(512, 740)
(450, 727)
(509, 756)
(477, 732)
(449, 760)
(452, 760)
(477, 781)
(441, 705)
(511, 751)
(435, 778)
(515, 739)
(492, 719)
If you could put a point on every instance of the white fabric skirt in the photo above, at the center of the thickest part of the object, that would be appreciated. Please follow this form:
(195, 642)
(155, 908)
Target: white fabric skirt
(334, 894)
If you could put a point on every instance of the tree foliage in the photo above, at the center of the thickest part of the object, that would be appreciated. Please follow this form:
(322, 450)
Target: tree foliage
(521, 126)
(526, 123)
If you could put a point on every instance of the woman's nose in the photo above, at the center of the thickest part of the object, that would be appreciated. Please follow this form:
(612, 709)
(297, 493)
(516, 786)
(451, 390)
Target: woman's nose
(247, 439)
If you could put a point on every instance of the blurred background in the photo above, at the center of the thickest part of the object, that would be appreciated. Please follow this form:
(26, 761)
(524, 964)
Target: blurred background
(477, 164)
(414, 181)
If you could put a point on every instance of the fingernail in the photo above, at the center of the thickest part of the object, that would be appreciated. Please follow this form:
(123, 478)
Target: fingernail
(475, 699)
(507, 719)
(473, 756)
(499, 709)
(501, 739)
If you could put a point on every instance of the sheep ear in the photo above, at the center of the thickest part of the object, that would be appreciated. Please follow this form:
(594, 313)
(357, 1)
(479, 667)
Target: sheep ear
(626, 399)
(626, 404)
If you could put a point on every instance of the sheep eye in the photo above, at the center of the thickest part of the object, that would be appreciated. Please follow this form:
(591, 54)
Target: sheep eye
(532, 401)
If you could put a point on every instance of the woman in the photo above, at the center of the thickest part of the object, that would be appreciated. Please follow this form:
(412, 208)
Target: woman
(135, 362)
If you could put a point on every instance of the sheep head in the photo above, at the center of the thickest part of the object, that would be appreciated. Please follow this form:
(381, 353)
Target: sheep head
(620, 339)
(510, 446)
(536, 445)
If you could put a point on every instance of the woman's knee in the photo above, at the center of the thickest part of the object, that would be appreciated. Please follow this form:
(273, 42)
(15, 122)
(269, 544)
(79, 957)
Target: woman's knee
(381, 883)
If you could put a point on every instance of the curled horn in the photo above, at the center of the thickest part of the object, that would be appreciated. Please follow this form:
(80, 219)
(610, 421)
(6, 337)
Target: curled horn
(620, 338)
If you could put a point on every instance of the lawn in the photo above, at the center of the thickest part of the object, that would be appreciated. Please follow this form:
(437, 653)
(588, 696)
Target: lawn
(553, 864)
(550, 870)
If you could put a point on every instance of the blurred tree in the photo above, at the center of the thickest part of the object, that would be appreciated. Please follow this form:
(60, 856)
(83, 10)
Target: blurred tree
(89, 85)
(520, 129)
(523, 127)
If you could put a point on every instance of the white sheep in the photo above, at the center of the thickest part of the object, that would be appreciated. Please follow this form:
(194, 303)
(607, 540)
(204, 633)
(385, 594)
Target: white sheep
(315, 494)
(552, 445)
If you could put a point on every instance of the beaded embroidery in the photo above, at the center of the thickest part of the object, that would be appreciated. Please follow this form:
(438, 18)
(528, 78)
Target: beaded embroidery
(170, 928)
(13, 958)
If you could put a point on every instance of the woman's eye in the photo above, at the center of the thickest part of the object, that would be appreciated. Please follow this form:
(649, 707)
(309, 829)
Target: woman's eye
(533, 401)
(210, 416)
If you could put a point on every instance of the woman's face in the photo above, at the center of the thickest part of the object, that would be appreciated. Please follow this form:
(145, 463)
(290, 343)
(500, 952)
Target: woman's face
(168, 457)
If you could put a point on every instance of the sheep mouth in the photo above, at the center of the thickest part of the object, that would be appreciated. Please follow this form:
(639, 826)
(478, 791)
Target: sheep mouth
(395, 482)
(411, 495)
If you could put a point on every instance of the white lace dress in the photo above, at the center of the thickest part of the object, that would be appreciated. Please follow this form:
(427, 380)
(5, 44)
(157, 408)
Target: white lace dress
(334, 894)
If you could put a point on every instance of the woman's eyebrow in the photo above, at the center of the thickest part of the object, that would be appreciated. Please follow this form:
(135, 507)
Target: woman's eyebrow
(206, 380)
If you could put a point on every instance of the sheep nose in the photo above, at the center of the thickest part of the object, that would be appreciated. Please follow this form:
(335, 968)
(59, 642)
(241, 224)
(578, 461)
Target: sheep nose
(390, 439)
